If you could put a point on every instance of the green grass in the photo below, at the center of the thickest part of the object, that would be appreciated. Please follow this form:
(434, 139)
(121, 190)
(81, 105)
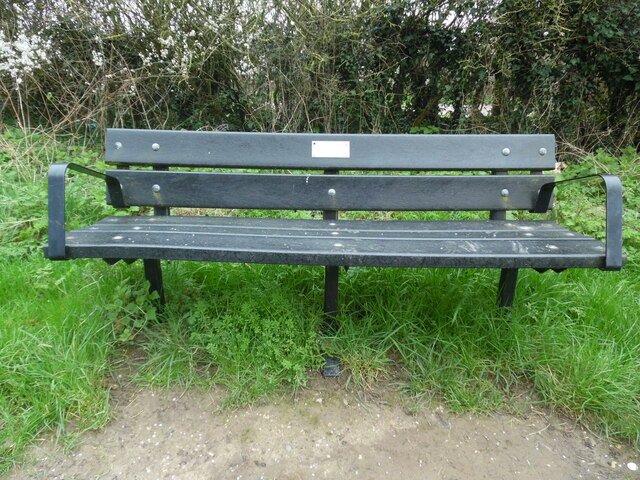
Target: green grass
(53, 353)
(572, 339)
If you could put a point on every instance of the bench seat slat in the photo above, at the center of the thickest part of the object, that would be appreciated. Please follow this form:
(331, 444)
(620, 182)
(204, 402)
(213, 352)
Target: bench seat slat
(357, 243)
(382, 225)
(352, 229)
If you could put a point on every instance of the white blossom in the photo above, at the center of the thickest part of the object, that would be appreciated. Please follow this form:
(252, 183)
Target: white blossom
(146, 59)
(445, 109)
(98, 58)
(485, 110)
(167, 42)
(23, 55)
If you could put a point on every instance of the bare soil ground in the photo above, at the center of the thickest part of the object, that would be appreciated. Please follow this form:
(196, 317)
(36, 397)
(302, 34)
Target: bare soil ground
(325, 431)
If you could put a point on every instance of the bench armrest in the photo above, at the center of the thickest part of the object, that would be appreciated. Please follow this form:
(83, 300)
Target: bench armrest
(613, 185)
(56, 203)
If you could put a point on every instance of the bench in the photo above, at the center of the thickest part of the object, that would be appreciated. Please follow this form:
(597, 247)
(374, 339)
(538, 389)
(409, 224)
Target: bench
(494, 173)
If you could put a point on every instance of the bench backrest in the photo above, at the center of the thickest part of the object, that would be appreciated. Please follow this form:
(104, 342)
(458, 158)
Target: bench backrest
(306, 151)
(329, 153)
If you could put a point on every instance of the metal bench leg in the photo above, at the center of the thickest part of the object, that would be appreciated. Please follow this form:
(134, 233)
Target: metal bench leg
(331, 274)
(331, 366)
(152, 268)
(507, 286)
(508, 276)
(153, 274)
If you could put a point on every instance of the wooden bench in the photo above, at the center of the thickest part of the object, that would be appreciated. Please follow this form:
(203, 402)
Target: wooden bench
(381, 182)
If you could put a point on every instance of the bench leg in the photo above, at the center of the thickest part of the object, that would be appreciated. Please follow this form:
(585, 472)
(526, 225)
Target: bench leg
(153, 274)
(507, 286)
(331, 366)
(331, 274)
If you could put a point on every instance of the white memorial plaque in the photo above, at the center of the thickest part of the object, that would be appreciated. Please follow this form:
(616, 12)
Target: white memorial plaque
(330, 149)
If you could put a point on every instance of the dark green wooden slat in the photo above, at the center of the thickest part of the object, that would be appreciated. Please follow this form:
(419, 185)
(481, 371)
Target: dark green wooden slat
(427, 229)
(330, 192)
(410, 233)
(380, 259)
(381, 225)
(295, 151)
(312, 244)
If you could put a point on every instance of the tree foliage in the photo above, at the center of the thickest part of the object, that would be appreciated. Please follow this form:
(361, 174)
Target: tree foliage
(565, 66)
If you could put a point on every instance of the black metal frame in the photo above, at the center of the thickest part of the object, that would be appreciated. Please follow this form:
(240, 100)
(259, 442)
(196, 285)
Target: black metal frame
(331, 367)
(153, 275)
(508, 276)
(613, 186)
(507, 287)
(331, 277)
(153, 267)
(56, 207)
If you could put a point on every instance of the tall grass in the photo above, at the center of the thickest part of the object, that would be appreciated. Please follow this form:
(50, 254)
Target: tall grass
(571, 342)
(53, 352)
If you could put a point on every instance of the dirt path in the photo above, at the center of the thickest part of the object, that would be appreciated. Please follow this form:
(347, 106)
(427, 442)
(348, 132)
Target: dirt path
(324, 432)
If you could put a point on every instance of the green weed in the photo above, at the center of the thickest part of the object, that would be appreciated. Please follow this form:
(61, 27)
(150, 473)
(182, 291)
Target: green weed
(253, 332)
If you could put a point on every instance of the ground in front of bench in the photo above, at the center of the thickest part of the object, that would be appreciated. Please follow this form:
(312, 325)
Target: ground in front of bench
(328, 429)
(473, 244)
